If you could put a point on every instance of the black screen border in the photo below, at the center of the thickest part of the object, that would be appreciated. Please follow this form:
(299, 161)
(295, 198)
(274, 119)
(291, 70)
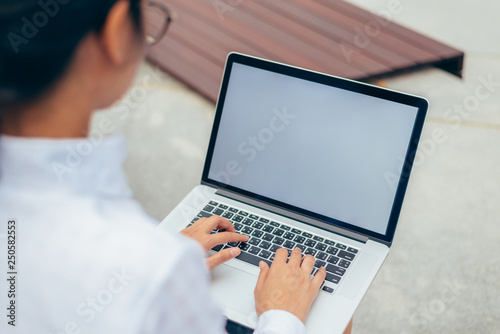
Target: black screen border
(358, 87)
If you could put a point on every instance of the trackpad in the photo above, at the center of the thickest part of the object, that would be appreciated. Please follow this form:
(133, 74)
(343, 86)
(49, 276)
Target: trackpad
(233, 289)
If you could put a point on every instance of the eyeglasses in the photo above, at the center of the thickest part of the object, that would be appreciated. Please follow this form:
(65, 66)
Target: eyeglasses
(157, 19)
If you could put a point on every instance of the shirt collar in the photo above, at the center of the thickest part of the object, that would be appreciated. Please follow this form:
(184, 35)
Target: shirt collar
(92, 164)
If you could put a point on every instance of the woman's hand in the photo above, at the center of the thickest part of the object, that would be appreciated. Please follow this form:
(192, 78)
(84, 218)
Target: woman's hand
(288, 285)
(200, 231)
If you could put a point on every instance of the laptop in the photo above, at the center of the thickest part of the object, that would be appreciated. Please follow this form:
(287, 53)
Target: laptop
(303, 159)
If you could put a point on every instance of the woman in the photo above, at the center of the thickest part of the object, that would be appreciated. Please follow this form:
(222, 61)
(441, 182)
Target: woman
(90, 259)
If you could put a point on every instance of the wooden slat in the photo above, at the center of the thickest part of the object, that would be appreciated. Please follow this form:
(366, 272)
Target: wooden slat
(451, 59)
(318, 43)
(338, 33)
(321, 35)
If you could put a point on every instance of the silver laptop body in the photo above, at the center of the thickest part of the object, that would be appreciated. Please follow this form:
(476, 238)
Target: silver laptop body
(300, 158)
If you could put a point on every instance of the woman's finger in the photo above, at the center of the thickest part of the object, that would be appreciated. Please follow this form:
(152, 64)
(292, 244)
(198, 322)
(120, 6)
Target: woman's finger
(222, 256)
(223, 237)
(264, 271)
(280, 257)
(219, 223)
(199, 221)
(319, 278)
(307, 264)
(295, 257)
(224, 224)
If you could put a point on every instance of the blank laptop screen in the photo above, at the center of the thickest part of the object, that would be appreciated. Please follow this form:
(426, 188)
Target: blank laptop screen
(323, 149)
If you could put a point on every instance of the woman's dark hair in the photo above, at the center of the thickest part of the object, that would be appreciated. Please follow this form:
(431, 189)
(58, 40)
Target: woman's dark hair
(38, 39)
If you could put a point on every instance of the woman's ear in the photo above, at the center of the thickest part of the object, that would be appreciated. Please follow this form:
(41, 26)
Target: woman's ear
(117, 34)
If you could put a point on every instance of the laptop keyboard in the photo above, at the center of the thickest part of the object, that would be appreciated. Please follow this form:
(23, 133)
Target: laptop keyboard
(266, 236)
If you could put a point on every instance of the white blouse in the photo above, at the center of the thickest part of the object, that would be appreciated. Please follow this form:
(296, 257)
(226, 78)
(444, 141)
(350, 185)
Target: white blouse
(88, 258)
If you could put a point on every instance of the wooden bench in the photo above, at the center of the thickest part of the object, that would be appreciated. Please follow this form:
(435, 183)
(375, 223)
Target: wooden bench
(330, 36)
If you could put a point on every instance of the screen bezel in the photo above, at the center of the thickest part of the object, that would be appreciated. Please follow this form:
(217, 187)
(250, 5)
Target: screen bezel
(420, 103)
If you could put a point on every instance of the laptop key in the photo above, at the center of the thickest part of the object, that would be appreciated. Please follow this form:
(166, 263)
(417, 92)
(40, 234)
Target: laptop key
(247, 230)
(329, 243)
(340, 246)
(222, 206)
(278, 232)
(257, 225)
(320, 239)
(228, 215)
(204, 214)
(302, 247)
(247, 221)
(286, 228)
(352, 250)
(254, 217)
(346, 255)
(265, 254)
(252, 259)
(238, 218)
(254, 250)
(288, 244)
(296, 231)
(344, 263)
(257, 233)
(265, 245)
(213, 203)
(268, 237)
(278, 241)
(233, 210)
(322, 256)
(289, 236)
(244, 246)
(310, 251)
(310, 243)
(253, 241)
(274, 248)
(307, 235)
(264, 220)
(332, 250)
(243, 213)
(218, 211)
(333, 259)
(320, 247)
(275, 224)
(268, 228)
(300, 239)
(208, 208)
(332, 278)
(335, 270)
(327, 289)
(237, 226)
(233, 244)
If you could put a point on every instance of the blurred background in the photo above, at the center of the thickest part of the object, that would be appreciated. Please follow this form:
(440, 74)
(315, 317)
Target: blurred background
(443, 272)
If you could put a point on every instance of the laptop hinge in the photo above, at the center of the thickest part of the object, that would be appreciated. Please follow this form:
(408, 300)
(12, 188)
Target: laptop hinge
(292, 215)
